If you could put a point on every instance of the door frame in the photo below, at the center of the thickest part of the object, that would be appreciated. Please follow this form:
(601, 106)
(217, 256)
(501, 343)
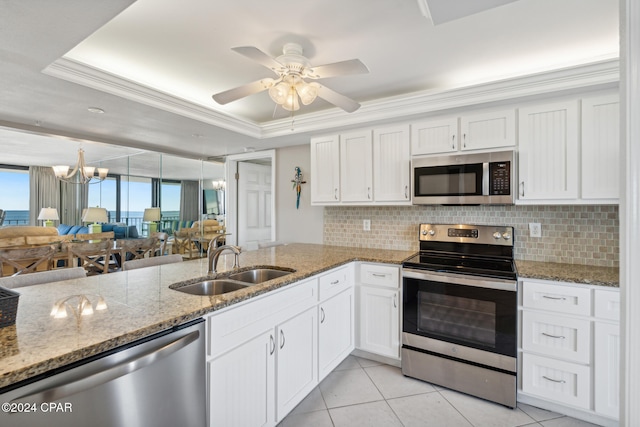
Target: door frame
(231, 219)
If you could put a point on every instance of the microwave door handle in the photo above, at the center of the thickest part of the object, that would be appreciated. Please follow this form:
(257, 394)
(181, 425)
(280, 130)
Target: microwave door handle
(485, 179)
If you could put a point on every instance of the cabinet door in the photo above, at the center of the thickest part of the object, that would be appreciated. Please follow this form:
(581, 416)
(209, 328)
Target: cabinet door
(601, 147)
(241, 384)
(325, 169)
(297, 361)
(391, 164)
(434, 136)
(379, 321)
(548, 151)
(335, 334)
(607, 369)
(356, 167)
(488, 130)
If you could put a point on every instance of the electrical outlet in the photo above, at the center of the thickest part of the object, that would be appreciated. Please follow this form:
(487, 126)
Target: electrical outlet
(535, 229)
(366, 224)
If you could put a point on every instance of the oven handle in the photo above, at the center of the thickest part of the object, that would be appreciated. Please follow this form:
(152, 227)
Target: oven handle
(504, 285)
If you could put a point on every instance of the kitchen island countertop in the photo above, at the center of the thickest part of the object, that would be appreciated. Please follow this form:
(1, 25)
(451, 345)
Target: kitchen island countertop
(140, 303)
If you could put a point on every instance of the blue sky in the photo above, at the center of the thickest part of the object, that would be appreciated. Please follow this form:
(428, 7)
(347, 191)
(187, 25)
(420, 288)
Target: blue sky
(136, 196)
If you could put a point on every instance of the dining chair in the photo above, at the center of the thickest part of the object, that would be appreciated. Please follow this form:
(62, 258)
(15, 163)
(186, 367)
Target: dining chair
(94, 257)
(41, 277)
(26, 260)
(150, 262)
(131, 249)
(183, 243)
(163, 238)
(96, 236)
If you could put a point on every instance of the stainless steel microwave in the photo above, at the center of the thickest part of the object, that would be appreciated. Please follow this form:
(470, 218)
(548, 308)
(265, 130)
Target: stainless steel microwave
(464, 179)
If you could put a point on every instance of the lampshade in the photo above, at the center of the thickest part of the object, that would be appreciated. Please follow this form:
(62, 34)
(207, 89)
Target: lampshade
(49, 214)
(95, 215)
(151, 214)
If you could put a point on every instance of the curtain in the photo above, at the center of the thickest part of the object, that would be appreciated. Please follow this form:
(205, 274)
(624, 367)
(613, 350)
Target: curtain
(190, 201)
(73, 198)
(44, 191)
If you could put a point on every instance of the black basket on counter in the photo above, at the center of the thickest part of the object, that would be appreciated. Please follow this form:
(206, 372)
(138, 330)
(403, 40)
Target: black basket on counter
(8, 307)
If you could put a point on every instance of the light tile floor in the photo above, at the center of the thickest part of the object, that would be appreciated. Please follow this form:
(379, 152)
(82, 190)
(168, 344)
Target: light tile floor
(362, 392)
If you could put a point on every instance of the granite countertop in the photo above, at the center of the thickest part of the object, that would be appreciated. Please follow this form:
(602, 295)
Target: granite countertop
(574, 273)
(140, 303)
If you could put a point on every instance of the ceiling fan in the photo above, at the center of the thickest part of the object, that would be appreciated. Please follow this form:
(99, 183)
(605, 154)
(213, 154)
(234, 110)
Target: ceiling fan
(291, 87)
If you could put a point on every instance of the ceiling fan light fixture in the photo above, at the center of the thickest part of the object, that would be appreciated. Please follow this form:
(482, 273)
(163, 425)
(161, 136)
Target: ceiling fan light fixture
(308, 91)
(279, 93)
(291, 102)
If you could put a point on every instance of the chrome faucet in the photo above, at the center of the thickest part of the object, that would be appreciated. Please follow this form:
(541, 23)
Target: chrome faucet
(215, 254)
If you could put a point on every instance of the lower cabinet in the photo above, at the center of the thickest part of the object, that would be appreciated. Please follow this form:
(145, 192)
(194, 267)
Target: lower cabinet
(570, 349)
(379, 310)
(335, 336)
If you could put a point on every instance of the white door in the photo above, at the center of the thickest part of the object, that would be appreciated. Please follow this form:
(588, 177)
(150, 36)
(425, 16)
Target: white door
(325, 169)
(391, 164)
(254, 204)
(434, 136)
(356, 167)
(335, 331)
(241, 384)
(379, 321)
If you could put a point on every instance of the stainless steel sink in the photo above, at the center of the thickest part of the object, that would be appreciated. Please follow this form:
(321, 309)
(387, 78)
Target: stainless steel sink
(211, 287)
(258, 275)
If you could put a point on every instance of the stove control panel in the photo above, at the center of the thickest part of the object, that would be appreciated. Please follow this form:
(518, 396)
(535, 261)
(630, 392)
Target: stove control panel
(462, 233)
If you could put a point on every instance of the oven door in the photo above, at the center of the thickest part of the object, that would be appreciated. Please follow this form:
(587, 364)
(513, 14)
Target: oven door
(469, 311)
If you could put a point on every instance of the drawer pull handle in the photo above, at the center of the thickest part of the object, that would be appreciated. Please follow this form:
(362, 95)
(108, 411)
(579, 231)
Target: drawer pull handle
(555, 298)
(281, 339)
(335, 282)
(321, 315)
(554, 381)
(378, 275)
(553, 336)
(395, 300)
(273, 344)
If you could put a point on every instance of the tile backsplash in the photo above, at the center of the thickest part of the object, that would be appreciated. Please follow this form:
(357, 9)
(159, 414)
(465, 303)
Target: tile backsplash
(570, 234)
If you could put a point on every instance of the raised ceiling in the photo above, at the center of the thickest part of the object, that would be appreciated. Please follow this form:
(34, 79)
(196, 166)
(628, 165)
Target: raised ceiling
(152, 65)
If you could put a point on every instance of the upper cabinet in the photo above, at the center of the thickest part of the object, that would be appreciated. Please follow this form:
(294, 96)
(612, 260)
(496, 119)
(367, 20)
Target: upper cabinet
(569, 152)
(601, 147)
(373, 167)
(478, 131)
(325, 169)
(548, 151)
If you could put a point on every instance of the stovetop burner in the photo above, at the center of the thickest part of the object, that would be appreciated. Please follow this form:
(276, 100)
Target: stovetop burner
(477, 250)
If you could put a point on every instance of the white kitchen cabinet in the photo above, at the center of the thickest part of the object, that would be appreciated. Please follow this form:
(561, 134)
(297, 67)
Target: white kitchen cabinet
(296, 360)
(488, 130)
(325, 169)
(601, 147)
(379, 310)
(548, 152)
(336, 333)
(434, 136)
(570, 349)
(356, 167)
(241, 384)
(392, 164)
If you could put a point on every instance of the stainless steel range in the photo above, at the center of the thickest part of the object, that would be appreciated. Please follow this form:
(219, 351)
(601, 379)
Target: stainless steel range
(459, 310)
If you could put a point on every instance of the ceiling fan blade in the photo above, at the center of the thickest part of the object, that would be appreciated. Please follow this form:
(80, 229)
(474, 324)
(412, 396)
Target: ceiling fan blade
(352, 66)
(347, 104)
(259, 56)
(234, 94)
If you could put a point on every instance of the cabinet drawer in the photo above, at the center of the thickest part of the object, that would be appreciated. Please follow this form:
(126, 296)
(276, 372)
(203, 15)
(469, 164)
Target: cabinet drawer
(559, 298)
(556, 380)
(231, 328)
(606, 304)
(335, 281)
(380, 275)
(556, 336)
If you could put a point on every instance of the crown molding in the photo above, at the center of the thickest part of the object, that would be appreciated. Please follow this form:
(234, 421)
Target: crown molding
(591, 75)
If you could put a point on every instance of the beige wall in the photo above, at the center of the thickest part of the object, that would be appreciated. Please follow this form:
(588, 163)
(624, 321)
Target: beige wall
(303, 225)
(570, 234)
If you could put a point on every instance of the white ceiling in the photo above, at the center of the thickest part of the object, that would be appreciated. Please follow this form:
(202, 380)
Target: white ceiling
(152, 65)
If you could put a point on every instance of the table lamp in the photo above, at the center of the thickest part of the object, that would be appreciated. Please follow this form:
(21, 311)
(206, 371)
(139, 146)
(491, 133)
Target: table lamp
(48, 215)
(151, 216)
(95, 215)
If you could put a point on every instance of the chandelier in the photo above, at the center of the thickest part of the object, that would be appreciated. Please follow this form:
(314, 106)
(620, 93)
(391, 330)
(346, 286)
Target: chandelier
(85, 174)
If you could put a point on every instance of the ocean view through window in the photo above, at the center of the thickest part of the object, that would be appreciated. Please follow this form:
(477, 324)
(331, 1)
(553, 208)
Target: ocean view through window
(14, 198)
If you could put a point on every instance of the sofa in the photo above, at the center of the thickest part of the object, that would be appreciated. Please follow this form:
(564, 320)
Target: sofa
(119, 231)
(29, 235)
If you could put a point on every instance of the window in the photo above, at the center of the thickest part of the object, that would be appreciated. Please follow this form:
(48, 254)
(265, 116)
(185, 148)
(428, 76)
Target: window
(14, 197)
(170, 200)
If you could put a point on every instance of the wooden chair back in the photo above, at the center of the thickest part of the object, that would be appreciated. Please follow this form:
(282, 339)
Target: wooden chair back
(92, 256)
(183, 243)
(27, 260)
(131, 249)
(162, 241)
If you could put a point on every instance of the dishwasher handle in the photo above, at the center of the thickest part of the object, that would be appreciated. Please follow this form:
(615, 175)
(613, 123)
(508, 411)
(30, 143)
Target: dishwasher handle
(103, 375)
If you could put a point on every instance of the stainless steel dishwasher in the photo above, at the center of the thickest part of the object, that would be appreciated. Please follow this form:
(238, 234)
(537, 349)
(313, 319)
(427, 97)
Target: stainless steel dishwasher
(156, 381)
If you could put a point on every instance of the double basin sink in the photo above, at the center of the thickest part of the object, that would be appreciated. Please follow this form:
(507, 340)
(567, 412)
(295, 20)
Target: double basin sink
(232, 282)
